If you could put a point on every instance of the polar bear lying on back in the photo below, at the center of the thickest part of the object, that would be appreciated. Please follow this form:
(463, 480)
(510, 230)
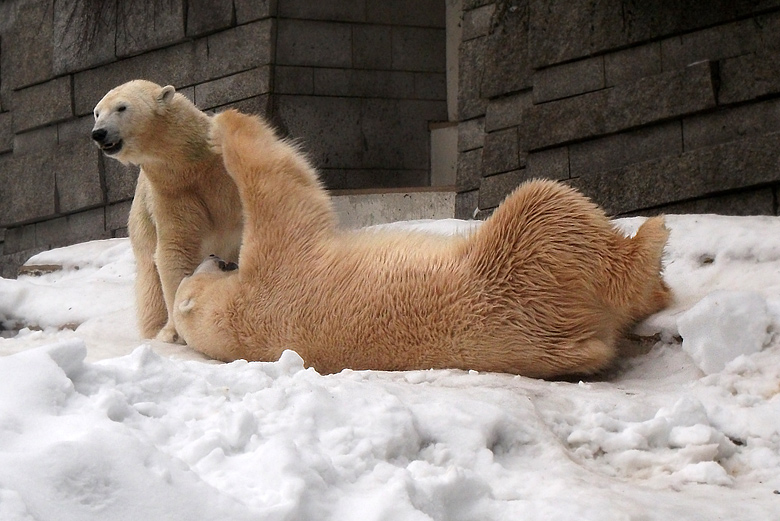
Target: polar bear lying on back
(543, 288)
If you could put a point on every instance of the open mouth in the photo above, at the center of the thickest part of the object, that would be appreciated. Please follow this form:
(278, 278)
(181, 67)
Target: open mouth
(111, 148)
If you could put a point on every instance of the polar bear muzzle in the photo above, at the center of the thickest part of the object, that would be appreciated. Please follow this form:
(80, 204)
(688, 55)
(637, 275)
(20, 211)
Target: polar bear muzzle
(107, 142)
(213, 263)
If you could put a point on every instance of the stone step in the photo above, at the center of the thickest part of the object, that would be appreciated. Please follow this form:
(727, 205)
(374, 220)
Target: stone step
(359, 208)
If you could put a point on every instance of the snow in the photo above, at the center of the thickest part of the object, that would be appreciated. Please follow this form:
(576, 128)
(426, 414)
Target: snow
(724, 325)
(96, 423)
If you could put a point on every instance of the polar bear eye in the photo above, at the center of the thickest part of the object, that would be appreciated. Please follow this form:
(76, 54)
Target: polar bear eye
(96, 114)
(121, 108)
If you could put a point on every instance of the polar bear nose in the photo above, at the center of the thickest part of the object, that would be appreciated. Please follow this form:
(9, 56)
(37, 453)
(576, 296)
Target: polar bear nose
(99, 134)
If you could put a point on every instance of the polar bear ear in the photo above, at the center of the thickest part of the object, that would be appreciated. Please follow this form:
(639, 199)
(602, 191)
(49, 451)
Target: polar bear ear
(187, 305)
(166, 94)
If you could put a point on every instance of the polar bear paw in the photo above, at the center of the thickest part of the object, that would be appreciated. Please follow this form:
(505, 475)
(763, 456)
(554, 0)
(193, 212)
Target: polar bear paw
(168, 334)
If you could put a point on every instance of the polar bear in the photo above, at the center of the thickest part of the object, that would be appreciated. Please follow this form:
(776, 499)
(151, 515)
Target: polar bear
(185, 206)
(544, 287)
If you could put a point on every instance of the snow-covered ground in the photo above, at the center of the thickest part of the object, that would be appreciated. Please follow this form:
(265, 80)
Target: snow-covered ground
(98, 424)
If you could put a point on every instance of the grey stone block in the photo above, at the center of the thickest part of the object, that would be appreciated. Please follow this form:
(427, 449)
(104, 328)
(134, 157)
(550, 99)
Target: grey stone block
(119, 232)
(78, 227)
(501, 153)
(187, 92)
(19, 238)
(645, 21)
(42, 104)
(372, 46)
(495, 188)
(507, 63)
(471, 67)
(654, 98)
(476, 22)
(639, 186)
(471, 134)
(721, 168)
(552, 163)
(566, 30)
(233, 88)
(563, 30)
(466, 204)
(738, 164)
(240, 48)
(382, 178)
(473, 4)
(507, 111)
(331, 10)
(569, 79)
(311, 120)
(28, 188)
(77, 177)
(148, 24)
(251, 10)
(418, 49)
(731, 124)
(663, 96)
(632, 64)
(116, 216)
(744, 202)
(566, 120)
(206, 16)
(395, 133)
(333, 178)
(321, 44)
(623, 149)
(180, 65)
(768, 26)
(426, 13)
(6, 132)
(714, 43)
(84, 34)
(293, 80)
(469, 171)
(256, 105)
(10, 264)
(36, 141)
(430, 86)
(76, 130)
(750, 76)
(120, 180)
(363, 83)
(28, 54)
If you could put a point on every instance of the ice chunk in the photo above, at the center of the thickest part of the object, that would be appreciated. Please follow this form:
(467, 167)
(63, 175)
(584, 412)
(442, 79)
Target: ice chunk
(722, 326)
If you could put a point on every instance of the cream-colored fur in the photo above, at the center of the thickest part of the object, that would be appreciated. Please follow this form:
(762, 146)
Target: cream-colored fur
(185, 205)
(543, 288)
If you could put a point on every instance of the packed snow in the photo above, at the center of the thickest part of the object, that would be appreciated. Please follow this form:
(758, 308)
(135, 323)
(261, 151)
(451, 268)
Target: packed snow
(96, 423)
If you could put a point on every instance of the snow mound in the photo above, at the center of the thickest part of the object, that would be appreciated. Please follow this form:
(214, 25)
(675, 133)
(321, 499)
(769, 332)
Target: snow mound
(96, 423)
(723, 326)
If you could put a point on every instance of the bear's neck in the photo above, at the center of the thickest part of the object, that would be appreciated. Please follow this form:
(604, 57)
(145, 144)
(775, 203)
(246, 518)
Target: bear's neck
(183, 156)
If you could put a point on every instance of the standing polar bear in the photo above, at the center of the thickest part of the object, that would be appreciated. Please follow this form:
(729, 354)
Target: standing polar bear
(543, 288)
(185, 206)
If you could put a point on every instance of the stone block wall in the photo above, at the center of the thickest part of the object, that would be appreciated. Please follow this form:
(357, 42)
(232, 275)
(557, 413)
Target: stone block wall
(356, 81)
(647, 107)
(359, 81)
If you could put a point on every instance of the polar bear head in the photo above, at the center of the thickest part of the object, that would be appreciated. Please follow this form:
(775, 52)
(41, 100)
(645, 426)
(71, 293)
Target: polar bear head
(202, 299)
(128, 119)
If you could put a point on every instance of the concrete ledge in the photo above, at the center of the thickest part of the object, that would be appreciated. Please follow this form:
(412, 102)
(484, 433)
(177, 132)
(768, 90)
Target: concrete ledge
(359, 208)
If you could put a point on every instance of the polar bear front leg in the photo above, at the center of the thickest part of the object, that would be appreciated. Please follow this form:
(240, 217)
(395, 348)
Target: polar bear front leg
(150, 305)
(175, 260)
(151, 312)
